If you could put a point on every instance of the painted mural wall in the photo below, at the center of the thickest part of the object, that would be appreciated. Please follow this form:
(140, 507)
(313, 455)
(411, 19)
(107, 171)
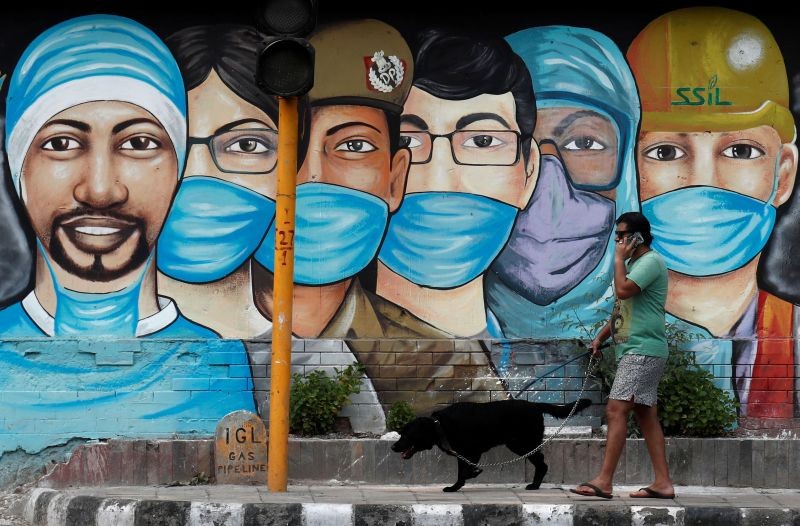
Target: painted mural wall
(456, 199)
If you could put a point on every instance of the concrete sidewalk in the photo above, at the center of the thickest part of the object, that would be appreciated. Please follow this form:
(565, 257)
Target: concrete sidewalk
(373, 505)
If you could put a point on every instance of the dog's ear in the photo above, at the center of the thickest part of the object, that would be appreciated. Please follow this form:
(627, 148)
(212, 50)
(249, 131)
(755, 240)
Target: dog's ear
(411, 426)
(425, 434)
(414, 423)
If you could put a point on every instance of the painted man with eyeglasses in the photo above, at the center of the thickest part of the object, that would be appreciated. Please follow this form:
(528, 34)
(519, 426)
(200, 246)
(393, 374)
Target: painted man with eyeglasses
(468, 122)
(226, 201)
(553, 278)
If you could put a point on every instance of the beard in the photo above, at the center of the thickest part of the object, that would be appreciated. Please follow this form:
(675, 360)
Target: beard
(98, 271)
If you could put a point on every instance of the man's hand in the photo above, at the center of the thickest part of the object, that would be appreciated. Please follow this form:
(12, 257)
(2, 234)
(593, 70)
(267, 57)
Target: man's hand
(595, 348)
(625, 247)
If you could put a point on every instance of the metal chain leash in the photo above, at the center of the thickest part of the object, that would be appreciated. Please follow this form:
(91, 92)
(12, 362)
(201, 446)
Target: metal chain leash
(593, 363)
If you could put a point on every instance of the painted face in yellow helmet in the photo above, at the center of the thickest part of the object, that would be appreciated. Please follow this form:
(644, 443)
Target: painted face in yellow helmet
(710, 69)
(714, 151)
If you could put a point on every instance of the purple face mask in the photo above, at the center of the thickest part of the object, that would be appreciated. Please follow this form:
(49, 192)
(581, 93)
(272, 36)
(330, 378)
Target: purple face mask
(558, 239)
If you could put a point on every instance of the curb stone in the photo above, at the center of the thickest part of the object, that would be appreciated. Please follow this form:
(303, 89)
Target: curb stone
(47, 507)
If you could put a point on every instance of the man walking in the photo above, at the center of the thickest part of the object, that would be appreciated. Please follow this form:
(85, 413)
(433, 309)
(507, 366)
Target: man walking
(637, 327)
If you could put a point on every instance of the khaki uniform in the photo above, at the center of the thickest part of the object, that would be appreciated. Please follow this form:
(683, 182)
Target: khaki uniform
(408, 359)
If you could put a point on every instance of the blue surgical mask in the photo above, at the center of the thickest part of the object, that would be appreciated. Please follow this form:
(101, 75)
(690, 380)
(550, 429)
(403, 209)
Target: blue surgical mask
(704, 231)
(213, 227)
(97, 314)
(337, 233)
(446, 239)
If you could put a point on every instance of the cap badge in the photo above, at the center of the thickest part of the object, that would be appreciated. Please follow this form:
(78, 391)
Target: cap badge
(384, 73)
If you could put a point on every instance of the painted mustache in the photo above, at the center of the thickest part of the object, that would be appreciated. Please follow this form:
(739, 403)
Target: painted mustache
(97, 232)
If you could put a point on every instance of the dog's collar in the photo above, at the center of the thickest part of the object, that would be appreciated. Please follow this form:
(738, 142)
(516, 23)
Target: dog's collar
(443, 444)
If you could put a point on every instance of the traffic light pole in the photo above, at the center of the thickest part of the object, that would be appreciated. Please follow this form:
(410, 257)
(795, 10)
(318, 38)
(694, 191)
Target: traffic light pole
(277, 473)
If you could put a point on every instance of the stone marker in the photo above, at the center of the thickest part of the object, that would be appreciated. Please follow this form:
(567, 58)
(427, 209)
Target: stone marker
(240, 449)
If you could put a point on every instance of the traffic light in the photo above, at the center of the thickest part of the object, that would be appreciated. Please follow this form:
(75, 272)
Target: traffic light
(286, 64)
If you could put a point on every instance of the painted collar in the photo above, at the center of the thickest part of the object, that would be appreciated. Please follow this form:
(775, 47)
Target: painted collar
(167, 314)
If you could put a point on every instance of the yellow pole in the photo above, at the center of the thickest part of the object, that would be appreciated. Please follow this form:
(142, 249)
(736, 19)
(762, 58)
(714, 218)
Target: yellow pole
(282, 296)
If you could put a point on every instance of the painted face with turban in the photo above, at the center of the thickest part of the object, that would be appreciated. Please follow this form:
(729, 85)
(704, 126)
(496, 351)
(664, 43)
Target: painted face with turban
(96, 140)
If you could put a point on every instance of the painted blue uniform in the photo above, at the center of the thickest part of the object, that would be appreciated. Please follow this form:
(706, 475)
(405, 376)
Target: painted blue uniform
(177, 377)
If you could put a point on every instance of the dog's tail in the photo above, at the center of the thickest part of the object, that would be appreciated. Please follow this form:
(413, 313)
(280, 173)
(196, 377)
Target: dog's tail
(562, 411)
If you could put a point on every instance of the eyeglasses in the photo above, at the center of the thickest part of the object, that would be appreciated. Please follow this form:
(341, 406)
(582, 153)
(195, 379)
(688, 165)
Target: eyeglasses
(589, 165)
(619, 234)
(470, 147)
(250, 151)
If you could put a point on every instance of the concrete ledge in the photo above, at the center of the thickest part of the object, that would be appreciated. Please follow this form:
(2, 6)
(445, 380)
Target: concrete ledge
(420, 506)
(724, 462)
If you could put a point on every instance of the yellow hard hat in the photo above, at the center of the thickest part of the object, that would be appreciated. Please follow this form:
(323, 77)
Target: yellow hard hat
(710, 69)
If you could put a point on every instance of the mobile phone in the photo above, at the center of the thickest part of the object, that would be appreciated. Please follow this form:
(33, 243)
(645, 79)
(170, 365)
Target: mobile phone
(637, 239)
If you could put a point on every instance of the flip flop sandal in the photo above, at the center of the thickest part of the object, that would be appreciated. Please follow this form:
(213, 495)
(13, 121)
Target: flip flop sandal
(652, 494)
(597, 491)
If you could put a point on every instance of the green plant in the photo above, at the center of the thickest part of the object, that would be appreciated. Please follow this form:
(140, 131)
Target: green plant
(689, 404)
(316, 399)
(200, 479)
(400, 413)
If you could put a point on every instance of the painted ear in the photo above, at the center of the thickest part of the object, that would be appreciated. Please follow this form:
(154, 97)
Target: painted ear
(548, 147)
(401, 163)
(531, 175)
(787, 171)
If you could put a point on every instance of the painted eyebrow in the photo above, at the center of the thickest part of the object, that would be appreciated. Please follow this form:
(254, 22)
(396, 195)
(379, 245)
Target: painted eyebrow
(572, 117)
(682, 135)
(414, 120)
(349, 124)
(234, 124)
(127, 124)
(82, 126)
(466, 120)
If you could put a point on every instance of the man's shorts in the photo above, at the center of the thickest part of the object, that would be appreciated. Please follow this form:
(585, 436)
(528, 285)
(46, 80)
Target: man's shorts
(637, 379)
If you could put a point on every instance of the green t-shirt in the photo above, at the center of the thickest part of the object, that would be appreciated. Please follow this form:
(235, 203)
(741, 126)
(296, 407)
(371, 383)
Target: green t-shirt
(638, 325)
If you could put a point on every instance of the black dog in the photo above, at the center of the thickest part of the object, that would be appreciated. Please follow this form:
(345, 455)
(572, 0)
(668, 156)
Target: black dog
(471, 429)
